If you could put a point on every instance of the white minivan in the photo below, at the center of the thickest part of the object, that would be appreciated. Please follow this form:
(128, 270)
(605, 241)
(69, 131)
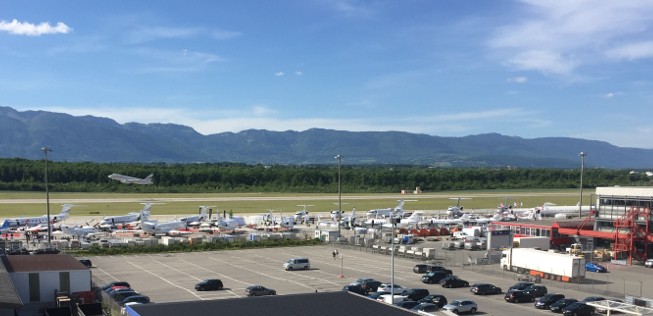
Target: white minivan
(297, 264)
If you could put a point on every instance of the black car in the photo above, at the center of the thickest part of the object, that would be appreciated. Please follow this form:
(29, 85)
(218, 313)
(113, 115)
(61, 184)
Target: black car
(355, 289)
(592, 299)
(258, 290)
(453, 282)
(406, 304)
(209, 285)
(578, 309)
(424, 268)
(426, 307)
(484, 288)
(558, 306)
(109, 285)
(434, 277)
(436, 299)
(536, 290)
(370, 285)
(545, 301)
(142, 299)
(87, 263)
(518, 296)
(121, 295)
(414, 294)
(521, 285)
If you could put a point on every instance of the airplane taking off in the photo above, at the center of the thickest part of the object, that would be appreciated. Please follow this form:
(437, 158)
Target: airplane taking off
(34, 221)
(131, 180)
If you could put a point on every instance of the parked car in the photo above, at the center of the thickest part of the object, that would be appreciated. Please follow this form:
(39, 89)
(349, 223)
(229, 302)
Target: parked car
(425, 307)
(387, 288)
(258, 290)
(545, 301)
(578, 309)
(484, 288)
(454, 282)
(436, 299)
(86, 262)
(109, 285)
(595, 267)
(592, 299)
(414, 294)
(406, 304)
(355, 289)
(434, 277)
(461, 306)
(141, 299)
(370, 285)
(112, 293)
(521, 285)
(376, 295)
(558, 306)
(425, 268)
(648, 263)
(209, 285)
(119, 296)
(536, 290)
(518, 296)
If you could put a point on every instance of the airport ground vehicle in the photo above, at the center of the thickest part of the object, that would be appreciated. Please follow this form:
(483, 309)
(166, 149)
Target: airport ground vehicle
(547, 300)
(258, 290)
(558, 306)
(461, 306)
(518, 296)
(434, 277)
(595, 267)
(543, 243)
(578, 309)
(544, 264)
(484, 288)
(453, 282)
(209, 285)
(297, 264)
(436, 299)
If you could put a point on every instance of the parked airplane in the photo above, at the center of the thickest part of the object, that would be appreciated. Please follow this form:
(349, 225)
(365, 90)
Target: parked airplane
(80, 231)
(412, 221)
(196, 220)
(302, 216)
(552, 210)
(5, 227)
(152, 227)
(456, 211)
(386, 212)
(109, 222)
(283, 222)
(34, 221)
(131, 180)
(349, 221)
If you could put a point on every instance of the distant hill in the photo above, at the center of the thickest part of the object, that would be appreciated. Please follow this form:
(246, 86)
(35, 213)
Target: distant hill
(89, 138)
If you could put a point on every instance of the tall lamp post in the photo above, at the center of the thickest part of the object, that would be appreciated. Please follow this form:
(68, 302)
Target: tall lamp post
(47, 192)
(339, 157)
(582, 169)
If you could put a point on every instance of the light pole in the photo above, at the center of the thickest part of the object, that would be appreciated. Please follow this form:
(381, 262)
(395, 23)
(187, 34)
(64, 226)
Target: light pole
(393, 221)
(47, 193)
(342, 269)
(582, 169)
(339, 157)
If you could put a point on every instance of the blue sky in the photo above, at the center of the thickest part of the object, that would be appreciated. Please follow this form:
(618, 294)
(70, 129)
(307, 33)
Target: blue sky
(448, 68)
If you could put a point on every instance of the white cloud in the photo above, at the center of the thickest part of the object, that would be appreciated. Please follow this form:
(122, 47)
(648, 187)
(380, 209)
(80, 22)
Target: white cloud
(29, 29)
(518, 79)
(147, 34)
(279, 74)
(176, 61)
(222, 34)
(299, 73)
(558, 37)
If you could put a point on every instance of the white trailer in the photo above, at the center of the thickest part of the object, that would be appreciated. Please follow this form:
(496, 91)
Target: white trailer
(544, 264)
(543, 243)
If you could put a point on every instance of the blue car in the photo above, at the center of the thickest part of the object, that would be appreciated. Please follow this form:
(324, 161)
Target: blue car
(595, 267)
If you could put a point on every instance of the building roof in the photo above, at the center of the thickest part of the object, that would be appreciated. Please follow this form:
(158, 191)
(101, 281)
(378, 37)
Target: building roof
(33, 263)
(314, 304)
(9, 298)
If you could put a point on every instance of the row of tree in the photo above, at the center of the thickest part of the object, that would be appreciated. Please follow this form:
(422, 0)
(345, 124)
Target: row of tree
(29, 175)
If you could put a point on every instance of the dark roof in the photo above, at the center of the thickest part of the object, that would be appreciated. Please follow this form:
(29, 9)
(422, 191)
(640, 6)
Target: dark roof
(60, 262)
(314, 304)
(8, 295)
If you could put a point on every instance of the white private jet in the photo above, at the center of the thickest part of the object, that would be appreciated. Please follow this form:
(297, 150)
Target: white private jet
(302, 216)
(196, 220)
(413, 220)
(283, 222)
(109, 222)
(80, 231)
(152, 227)
(386, 212)
(38, 220)
(552, 210)
(131, 180)
(456, 211)
(5, 227)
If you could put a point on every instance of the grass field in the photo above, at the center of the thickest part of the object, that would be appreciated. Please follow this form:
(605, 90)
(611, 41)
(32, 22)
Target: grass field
(34, 203)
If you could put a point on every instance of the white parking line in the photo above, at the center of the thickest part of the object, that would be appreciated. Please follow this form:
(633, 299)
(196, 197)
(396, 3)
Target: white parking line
(164, 280)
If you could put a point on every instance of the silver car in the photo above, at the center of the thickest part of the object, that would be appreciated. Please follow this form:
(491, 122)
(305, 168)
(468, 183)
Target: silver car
(649, 263)
(461, 306)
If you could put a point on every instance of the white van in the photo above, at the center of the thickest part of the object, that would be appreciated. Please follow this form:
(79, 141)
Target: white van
(297, 264)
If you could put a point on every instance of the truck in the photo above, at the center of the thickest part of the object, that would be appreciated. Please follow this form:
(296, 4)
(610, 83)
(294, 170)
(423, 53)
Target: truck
(543, 243)
(544, 264)
(474, 231)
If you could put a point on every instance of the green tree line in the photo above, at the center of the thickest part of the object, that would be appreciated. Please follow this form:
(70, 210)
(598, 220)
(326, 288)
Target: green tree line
(29, 175)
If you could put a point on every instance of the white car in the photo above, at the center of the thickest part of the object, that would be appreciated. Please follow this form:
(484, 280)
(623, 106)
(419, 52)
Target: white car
(461, 306)
(385, 287)
(649, 263)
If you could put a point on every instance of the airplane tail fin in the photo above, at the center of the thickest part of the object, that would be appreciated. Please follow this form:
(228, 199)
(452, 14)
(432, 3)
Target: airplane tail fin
(149, 177)
(400, 206)
(5, 225)
(66, 208)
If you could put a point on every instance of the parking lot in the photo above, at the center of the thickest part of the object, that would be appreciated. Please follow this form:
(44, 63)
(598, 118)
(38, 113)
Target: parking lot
(172, 277)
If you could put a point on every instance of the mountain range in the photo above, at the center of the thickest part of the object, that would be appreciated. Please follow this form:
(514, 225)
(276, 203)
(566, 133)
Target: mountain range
(96, 139)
